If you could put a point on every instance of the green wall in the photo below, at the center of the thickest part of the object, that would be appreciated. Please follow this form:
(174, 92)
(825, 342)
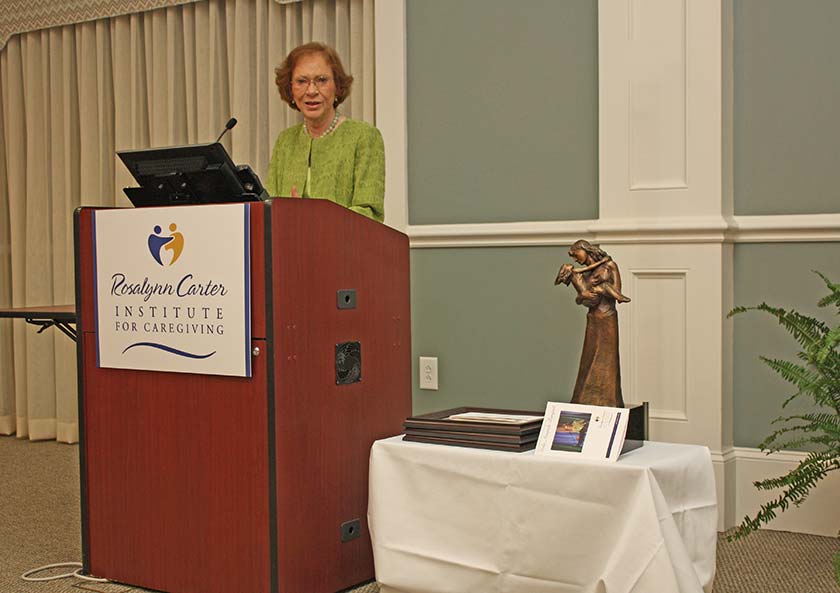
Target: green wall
(504, 335)
(502, 127)
(502, 110)
(780, 275)
(786, 116)
(787, 149)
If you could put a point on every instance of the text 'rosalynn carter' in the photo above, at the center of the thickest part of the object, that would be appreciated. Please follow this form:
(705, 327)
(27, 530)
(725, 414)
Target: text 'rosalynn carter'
(185, 287)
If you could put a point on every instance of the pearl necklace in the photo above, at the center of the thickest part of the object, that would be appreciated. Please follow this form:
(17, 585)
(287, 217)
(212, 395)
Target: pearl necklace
(328, 131)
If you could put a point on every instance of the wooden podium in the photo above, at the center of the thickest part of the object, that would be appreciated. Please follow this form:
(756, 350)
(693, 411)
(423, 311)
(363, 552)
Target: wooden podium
(212, 484)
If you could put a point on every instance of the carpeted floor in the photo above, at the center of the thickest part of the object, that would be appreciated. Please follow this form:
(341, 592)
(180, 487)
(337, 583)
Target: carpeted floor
(776, 562)
(39, 525)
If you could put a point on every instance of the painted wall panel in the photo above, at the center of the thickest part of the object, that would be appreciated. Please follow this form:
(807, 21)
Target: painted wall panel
(657, 101)
(780, 275)
(504, 335)
(658, 340)
(786, 116)
(502, 110)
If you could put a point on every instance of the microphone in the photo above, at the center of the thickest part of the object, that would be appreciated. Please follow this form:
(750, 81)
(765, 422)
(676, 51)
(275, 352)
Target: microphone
(231, 122)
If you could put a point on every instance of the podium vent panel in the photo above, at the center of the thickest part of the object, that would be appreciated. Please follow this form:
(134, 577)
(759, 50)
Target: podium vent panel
(348, 363)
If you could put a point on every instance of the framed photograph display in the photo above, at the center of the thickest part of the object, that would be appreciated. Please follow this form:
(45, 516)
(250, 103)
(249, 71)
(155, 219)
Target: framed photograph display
(575, 430)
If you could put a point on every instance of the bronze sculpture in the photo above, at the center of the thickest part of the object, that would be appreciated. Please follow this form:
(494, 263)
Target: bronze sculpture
(598, 286)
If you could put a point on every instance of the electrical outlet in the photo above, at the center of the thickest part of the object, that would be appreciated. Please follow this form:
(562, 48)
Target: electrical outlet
(428, 372)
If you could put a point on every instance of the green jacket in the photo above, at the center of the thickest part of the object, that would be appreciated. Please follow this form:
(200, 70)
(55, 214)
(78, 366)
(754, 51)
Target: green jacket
(348, 166)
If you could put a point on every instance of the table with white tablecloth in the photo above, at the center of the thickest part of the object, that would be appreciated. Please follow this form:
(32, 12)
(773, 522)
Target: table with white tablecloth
(459, 520)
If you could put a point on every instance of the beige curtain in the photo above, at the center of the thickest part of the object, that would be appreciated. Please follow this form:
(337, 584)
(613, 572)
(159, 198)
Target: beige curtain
(71, 96)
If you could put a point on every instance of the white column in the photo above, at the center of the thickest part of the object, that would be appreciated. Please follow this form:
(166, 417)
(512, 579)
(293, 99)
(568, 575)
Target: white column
(660, 109)
(665, 165)
(391, 106)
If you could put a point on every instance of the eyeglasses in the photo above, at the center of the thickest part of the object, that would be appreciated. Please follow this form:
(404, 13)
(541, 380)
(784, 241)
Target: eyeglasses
(302, 83)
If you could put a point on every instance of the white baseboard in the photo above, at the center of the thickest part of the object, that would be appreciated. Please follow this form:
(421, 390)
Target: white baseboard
(737, 468)
(725, 484)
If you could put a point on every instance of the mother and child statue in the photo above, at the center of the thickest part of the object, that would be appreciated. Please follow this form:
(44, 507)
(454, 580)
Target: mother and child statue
(598, 285)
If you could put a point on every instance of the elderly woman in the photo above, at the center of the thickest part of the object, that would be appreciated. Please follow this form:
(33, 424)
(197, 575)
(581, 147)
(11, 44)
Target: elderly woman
(598, 284)
(328, 155)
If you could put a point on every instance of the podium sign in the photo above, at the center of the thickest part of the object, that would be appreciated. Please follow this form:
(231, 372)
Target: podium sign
(173, 289)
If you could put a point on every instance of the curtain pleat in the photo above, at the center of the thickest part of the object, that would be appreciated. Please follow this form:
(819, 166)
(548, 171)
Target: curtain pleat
(64, 176)
(71, 96)
(7, 385)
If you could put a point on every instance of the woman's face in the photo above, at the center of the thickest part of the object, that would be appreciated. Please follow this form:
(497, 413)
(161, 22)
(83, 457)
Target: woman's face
(579, 255)
(313, 87)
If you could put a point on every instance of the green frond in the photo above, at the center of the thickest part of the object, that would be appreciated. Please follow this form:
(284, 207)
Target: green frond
(832, 287)
(794, 438)
(822, 392)
(797, 485)
(785, 403)
(827, 443)
(824, 397)
(831, 299)
(776, 312)
(817, 376)
(804, 427)
(818, 420)
(834, 297)
(807, 381)
(805, 330)
(738, 310)
(804, 476)
(829, 347)
(797, 444)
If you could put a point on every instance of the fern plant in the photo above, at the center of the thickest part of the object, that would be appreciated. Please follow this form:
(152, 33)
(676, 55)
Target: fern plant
(816, 376)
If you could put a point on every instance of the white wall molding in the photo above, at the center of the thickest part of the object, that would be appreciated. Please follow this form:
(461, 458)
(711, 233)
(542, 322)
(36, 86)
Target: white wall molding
(660, 109)
(819, 514)
(787, 228)
(658, 341)
(683, 230)
(671, 337)
(502, 234)
(725, 456)
(392, 106)
(724, 464)
(752, 454)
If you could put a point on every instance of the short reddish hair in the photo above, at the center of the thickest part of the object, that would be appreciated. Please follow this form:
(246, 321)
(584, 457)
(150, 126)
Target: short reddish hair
(283, 72)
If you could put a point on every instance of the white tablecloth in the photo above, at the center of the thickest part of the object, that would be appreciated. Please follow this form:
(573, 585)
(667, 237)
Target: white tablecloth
(457, 520)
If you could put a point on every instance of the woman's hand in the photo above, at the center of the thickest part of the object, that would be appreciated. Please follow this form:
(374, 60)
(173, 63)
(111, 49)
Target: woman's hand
(295, 193)
(587, 298)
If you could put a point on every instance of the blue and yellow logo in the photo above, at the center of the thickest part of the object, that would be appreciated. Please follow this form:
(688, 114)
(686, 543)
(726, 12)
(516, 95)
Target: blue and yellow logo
(159, 243)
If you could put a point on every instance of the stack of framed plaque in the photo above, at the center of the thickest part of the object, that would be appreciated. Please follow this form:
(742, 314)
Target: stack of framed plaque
(482, 428)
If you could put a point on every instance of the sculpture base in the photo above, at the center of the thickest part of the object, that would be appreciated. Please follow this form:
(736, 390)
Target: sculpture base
(637, 426)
